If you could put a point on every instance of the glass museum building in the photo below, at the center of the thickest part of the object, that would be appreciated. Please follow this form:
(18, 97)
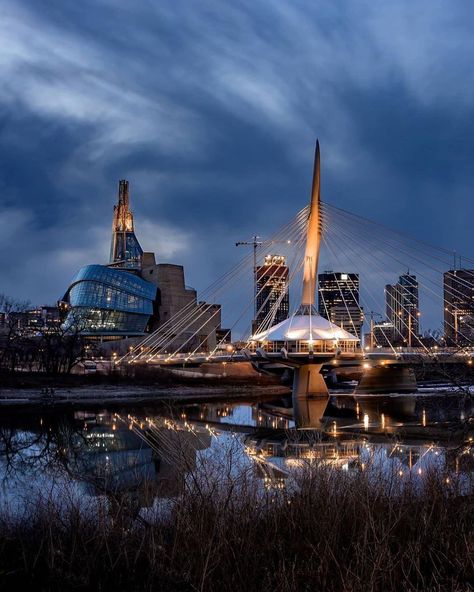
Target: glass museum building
(109, 301)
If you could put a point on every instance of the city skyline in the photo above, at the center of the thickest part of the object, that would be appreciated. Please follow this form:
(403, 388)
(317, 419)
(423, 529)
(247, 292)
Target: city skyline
(200, 161)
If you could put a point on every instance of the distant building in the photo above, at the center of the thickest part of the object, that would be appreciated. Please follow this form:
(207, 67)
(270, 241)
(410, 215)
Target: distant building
(134, 295)
(338, 300)
(402, 309)
(272, 297)
(381, 335)
(458, 287)
(30, 322)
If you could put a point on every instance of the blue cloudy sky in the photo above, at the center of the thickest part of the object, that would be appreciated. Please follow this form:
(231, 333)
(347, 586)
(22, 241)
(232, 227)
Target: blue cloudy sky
(211, 110)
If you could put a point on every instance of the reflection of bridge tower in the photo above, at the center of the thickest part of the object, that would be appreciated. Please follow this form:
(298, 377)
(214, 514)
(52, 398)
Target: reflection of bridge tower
(306, 340)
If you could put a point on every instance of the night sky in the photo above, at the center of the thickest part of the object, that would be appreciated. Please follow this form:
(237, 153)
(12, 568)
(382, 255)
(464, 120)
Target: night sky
(211, 111)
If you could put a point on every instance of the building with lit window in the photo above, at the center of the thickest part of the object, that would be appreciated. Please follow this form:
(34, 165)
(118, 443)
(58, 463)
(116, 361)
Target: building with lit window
(272, 297)
(402, 309)
(109, 302)
(133, 295)
(458, 287)
(338, 300)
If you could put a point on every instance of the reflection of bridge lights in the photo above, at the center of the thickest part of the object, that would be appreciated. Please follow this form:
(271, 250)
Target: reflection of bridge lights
(382, 417)
(366, 366)
(423, 418)
(366, 421)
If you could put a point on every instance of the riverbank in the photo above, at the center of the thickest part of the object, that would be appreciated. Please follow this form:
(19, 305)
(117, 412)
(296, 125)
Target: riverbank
(107, 395)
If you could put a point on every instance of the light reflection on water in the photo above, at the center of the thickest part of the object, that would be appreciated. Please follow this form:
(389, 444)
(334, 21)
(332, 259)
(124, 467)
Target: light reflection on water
(138, 451)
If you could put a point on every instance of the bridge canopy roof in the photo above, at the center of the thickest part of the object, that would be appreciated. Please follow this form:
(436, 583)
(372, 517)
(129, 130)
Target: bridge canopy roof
(299, 327)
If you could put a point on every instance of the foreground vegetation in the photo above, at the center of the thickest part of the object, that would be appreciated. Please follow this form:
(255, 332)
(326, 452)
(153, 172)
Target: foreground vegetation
(333, 531)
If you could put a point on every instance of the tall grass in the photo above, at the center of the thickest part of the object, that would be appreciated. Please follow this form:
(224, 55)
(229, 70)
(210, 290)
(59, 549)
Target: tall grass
(331, 531)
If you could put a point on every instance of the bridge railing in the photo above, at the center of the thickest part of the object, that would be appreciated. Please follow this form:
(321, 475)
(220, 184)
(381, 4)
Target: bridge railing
(304, 346)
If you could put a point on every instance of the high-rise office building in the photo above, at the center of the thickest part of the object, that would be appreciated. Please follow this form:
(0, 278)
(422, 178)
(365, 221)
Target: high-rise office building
(272, 297)
(338, 300)
(402, 309)
(458, 287)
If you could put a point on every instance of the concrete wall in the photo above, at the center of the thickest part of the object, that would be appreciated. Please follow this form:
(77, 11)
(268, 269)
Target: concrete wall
(173, 296)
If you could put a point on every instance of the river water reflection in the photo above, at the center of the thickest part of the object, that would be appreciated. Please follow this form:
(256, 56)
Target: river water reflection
(149, 453)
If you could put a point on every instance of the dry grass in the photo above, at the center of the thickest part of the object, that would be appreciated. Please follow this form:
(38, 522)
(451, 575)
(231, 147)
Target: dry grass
(335, 531)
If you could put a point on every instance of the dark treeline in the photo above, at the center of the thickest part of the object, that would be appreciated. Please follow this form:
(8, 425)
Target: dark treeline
(51, 348)
(335, 531)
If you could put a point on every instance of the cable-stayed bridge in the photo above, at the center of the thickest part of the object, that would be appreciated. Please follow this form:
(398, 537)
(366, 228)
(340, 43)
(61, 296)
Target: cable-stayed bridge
(323, 236)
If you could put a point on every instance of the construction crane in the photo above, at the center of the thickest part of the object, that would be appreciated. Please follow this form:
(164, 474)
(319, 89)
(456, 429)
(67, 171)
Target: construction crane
(255, 243)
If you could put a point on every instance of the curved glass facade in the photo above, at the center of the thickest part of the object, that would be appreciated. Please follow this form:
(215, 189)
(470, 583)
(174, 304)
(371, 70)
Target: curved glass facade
(109, 301)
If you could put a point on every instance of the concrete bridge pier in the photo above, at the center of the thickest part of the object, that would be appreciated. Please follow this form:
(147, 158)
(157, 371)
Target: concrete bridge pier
(310, 396)
(309, 382)
(391, 378)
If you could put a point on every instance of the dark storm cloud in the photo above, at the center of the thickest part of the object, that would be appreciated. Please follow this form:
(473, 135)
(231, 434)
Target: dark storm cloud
(210, 110)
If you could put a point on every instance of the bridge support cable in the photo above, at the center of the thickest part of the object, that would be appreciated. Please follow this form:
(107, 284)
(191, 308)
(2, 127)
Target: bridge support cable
(328, 316)
(362, 257)
(295, 265)
(339, 231)
(425, 286)
(188, 309)
(402, 243)
(184, 315)
(267, 322)
(247, 309)
(420, 246)
(363, 285)
(337, 234)
(179, 324)
(181, 347)
(380, 241)
(379, 264)
(191, 312)
(355, 300)
(245, 312)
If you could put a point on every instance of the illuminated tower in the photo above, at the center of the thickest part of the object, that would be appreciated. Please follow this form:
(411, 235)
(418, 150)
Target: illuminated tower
(125, 250)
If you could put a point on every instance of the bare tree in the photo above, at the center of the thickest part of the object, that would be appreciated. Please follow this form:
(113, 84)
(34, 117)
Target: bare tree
(12, 313)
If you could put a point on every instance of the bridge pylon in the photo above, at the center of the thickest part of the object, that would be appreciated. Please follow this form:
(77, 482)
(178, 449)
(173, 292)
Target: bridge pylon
(306, 340)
